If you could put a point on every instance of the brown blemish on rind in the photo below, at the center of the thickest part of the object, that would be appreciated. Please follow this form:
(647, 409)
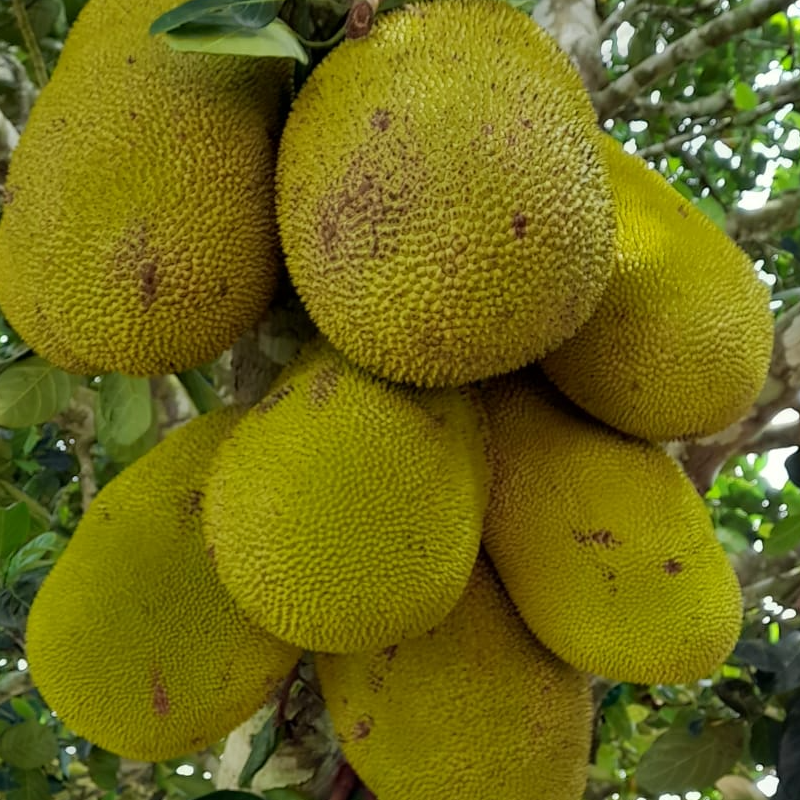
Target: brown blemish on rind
(362, 728)
(194, 501)
(323, 385)
(271, 400)
(520, 225)
(683, 212)
(212, 554)
(390, 652)
(672, 567)
(136, 258)
(160, 697)
(602, 537)
(381, 119)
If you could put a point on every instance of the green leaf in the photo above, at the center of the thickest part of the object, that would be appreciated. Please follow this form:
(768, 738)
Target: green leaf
(28, 745)
(30, 555)
(127, 454)
(197, 10)
(33, 391)
(103, 768)
(784, 536)
(277, 40)
(124, 409)
(262, 746)
(744, 97)
(283, 794)
(228, 794)
(15, 524)
(691, 756)
(22, 708)
(32, 785)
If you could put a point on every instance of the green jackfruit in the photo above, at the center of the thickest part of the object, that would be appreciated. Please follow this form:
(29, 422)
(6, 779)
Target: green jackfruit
(132, 639)
(603, 543)
(474, 709)
(680, 344)
(139, 232)
(345, 512)
(442, 202)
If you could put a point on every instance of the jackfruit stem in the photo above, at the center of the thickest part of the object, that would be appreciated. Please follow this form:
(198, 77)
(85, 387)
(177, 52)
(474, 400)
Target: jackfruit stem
(200, 392)
(360, 18)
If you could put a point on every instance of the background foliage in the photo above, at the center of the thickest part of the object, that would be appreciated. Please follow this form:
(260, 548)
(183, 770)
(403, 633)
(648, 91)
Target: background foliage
(708, 91)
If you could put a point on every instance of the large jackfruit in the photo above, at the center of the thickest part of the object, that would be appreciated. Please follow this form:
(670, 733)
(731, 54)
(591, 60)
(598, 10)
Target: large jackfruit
(680, 343)
(603, 543)
(443, 207)
(345, 512)
(132, 639)
(139, 232)
(476, 708)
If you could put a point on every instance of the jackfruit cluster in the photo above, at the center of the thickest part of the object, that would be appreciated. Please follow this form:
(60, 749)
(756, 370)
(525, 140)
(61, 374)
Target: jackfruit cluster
(413, 500)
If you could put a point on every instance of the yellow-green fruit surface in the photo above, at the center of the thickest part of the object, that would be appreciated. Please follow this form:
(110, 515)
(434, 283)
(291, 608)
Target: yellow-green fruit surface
(603, 543)
(139, 231)
(476, 708)
(345, 512)
(681, 341)
(132, 639)
(442, 203)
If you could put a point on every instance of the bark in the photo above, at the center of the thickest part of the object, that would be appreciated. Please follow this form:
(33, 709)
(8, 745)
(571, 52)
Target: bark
(779, 214)
(610, 100)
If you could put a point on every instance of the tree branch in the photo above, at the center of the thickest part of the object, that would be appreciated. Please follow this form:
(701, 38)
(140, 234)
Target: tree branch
(31, 44)
(611, 99)
(778, 214)
(622, 13)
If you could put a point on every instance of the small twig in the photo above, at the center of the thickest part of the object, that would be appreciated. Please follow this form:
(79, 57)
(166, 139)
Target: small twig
(689, 47)
(31, 44)
(622, 13)
(360, 18)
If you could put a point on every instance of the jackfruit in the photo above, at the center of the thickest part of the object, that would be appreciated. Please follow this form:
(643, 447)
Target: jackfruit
(345, 512)
(132, 639)
(680, 344)
(603, 544)
(475, 708)
(139, 231)
(442, 203)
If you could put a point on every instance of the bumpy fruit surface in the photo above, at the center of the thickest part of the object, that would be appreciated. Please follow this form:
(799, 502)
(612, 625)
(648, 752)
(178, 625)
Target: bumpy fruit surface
(138, 231)
(474, 708)
(443, 207)
(680, 343)
(345, 512)
(132, 639)
(603, 543)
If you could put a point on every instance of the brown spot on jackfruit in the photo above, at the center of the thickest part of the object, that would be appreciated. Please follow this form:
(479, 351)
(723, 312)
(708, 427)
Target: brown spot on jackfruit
(390, 652)
(323, 386)
(520, 225)
(362, 728)
(673, 567)
(381, 119)
(271, 400)
(602, 537)
(160, 697)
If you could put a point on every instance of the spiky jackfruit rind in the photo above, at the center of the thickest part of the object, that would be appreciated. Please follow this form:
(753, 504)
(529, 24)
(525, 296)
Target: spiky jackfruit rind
(443, 207)
(680, 344)
(603, 543)
(474, 708)
(139, 231)
(345, 512)
(132, 639)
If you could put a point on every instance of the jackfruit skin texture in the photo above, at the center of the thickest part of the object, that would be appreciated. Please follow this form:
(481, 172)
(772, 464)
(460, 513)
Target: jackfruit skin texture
(474, 708)
(442, 204)
(680, 344)
(139, 231)
(132, 639)
(345, 512)
(602, 542)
